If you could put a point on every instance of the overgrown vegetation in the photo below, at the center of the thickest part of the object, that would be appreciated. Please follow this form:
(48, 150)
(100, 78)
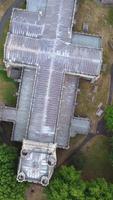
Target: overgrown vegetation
(110, 16)
(2, 42)
(109, 117)
(8, 89)
(68, 185)
(94, 159)
(10, 189)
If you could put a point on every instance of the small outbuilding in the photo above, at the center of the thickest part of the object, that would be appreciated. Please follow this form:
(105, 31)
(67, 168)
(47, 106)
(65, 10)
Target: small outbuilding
(80, 126)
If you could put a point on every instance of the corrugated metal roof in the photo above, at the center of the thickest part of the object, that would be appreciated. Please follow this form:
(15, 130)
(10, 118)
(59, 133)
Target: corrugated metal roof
(47, 60)
(38, 52)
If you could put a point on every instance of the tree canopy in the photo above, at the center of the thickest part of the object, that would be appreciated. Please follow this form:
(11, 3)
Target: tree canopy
(10, 189)
(108, 117)
(68, 185)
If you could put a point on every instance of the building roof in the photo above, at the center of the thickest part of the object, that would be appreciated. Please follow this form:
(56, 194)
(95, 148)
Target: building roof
(80, 126)
(28, 29)
(86, 40)
(37, 162)
(36, 6)
(66, 57)
(42, 44)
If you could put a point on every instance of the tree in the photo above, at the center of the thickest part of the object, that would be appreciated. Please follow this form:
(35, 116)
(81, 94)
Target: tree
(99, 190)
(10, 189)
(108, 117)
(68, 185)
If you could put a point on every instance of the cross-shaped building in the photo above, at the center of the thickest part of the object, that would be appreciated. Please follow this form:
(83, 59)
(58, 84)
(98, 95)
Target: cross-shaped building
(50, 59)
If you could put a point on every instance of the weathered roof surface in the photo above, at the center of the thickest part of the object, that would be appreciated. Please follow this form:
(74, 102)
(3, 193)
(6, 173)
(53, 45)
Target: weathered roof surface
(55, 21)
(86, 40)
(36, 5)
(41, 44)
(79, 126)
(25, 23)
(41, 52)
(66, 110)
(46, 59)
(23, 104)
(8, 114)
(37, 162)
(38, 40)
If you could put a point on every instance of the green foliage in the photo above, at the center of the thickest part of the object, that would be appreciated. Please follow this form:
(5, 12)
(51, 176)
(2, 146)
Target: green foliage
(10, 189)
(68, 185)
(8, 88)
(110, 16)
(108, 117)
(3, 76)
(99, 190)
(78, 160)
(2, 40)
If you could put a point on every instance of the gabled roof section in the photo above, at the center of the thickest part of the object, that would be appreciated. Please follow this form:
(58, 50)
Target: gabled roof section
(30, 24)
(41, 40)
(55, 21)
(67, 57)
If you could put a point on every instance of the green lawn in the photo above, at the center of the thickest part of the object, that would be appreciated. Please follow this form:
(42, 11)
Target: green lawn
(94, 159)
(2, 42)
(8, 90)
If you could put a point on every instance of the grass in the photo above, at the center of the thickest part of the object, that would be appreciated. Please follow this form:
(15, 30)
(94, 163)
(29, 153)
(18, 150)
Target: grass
(97, 20)
(110, 16)
(63, 155)
(2, 42)
(23, 5)
(8, 89)
(98, 23)
(88, 100)
(96, 159)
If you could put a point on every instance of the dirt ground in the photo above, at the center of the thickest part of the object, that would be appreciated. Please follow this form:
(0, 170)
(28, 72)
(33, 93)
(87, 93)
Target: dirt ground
(4, 6)
(90, 96)
(35, 192)
(97, 162)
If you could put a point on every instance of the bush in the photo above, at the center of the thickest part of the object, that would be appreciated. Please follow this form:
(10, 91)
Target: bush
(108, 117)
(10, 189)
(68, 185)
